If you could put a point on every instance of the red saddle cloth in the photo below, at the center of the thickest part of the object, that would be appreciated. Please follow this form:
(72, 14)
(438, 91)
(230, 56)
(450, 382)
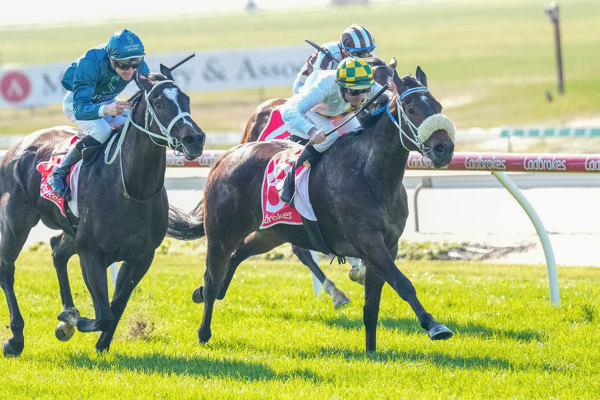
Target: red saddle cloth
(274, 210)
(45, 168)
(275, 128)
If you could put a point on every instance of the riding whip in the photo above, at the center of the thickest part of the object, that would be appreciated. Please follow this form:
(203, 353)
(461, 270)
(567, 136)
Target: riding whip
(166, 71)
(321, 49)
(182, 61)
(355, 113)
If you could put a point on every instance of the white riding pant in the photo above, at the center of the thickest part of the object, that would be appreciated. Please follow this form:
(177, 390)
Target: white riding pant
(327, 124)
(99, 128)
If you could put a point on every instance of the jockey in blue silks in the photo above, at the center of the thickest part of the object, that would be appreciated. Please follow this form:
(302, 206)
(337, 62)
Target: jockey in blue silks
(93, 82)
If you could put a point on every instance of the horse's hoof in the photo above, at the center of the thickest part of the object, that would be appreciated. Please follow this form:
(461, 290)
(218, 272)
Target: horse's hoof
(64, 331)
(69, 316)
(198, 296)
(203, 338)
(440, 332)
(357, 274)
(340, 299)
(10, 350)
(86, 325)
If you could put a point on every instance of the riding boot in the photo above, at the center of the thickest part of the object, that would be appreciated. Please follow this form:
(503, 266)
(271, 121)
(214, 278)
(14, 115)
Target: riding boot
(309, 158)
(58, 180)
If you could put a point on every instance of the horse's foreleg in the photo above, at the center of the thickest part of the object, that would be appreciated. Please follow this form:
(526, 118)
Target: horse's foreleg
(62, 250)
(93, 269)
(339, 298)
(129, 277)
(373, 286)
(381, 263)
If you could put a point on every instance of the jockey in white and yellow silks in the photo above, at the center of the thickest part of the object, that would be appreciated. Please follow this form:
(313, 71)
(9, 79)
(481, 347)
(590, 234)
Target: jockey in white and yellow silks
(327, 99)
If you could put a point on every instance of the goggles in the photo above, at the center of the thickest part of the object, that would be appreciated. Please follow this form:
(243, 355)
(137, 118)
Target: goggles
(127, 63)
(357, 92)
(361, 53)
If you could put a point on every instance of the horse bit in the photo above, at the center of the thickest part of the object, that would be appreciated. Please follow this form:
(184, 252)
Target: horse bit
(423, 132)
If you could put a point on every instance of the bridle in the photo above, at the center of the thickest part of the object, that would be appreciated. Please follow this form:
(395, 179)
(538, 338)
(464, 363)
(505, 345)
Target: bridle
(149, 117)
(418, 134)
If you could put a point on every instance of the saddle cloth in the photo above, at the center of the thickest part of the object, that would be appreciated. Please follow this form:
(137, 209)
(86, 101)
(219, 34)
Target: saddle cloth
(275, 128)
(276, 211)
(46, 167)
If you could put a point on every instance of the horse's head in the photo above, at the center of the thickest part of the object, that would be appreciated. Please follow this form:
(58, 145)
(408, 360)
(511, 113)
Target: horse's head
(169, 109)
(422, 127)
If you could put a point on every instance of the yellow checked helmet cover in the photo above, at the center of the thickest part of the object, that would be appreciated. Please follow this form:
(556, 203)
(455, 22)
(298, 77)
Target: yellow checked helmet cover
(354, 73)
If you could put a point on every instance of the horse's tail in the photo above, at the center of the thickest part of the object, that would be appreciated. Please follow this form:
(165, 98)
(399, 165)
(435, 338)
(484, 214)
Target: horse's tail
(184, 226)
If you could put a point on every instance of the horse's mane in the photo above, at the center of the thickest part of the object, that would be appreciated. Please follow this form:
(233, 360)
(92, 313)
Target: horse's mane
(409, 82)
(375, 61)
(137, 97)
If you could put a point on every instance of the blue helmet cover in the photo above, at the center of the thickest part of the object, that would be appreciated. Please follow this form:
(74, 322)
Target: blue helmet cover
(125, 44)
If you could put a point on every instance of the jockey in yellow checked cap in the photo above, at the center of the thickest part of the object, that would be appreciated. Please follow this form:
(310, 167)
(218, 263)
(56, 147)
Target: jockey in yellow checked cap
(326, 100)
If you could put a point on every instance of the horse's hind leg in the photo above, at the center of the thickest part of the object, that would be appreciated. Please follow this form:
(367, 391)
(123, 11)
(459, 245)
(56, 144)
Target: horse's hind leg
(221, 263)
(63, 248)
(253, 244)
(305, 256)
(16, 221)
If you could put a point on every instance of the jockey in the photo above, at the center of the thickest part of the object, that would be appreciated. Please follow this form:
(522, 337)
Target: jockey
(355, 41)
(327, 99)
(93, 82)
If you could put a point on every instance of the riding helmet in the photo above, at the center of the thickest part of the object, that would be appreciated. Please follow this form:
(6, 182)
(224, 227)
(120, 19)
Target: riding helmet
(356, 38)
(354, 73)
(125, 44)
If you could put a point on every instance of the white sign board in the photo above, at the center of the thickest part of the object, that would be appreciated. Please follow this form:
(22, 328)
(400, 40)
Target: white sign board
(39, 85)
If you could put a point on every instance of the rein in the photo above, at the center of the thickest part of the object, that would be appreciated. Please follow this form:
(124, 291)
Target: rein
(149, 117)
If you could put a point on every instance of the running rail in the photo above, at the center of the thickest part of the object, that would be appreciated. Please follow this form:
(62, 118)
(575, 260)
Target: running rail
(497, 164)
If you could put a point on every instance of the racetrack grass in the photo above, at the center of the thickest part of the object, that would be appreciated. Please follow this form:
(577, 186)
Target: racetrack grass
(489, 63)
(273, 340)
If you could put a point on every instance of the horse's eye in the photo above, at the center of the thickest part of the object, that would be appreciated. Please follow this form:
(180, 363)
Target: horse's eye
(411, 110)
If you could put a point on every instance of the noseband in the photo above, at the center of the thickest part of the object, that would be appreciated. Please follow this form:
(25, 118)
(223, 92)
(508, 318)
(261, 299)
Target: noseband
(150, 116)
(419, 135)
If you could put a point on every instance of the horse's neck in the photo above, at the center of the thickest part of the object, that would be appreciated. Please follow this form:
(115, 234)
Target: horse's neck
(385, 156)
(144, 164)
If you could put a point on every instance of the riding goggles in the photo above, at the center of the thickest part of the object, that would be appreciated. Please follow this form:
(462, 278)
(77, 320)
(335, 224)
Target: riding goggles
(127, 63)
(357, 92)
(361, 53)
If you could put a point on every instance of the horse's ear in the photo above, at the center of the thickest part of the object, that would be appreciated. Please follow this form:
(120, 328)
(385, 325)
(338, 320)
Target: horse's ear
(166, 71)
(393, 62)
(421, 77)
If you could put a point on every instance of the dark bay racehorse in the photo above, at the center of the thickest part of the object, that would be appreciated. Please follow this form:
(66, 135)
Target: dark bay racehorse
(123, 207)
(357, 194)
(383, 74)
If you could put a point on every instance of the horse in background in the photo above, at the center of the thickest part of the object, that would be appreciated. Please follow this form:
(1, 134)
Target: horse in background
(121, 211)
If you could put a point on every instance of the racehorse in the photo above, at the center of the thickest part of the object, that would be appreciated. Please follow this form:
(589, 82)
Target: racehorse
(122, 206)
(383, 74)
(356, 192)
